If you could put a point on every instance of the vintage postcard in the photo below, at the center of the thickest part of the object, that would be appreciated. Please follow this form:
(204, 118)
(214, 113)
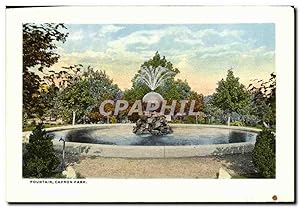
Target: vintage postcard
(150, 104)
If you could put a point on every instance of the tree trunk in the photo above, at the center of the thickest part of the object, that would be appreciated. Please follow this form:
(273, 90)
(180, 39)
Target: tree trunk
(107, 119)
(74, 117)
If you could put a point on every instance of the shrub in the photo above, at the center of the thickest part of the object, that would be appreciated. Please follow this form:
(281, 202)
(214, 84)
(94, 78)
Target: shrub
(264, 153)
(114, 119)
(251, 120)
(39, 160)
(189, 120)
(237, 123)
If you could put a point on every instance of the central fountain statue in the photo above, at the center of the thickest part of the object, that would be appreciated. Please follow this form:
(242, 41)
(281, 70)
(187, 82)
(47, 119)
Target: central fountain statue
(153, 122)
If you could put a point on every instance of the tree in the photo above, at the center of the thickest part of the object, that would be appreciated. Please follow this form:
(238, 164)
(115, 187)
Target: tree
(85, 94)
(171, 89)
(175, 89)
(264, 106)
(213, 114)
(154, 62)
(39, 43)
(39, 159)
(199, 103)
(74, 99)
(139, 89)
(157, 61)
(263, 102)
(46, 98)
(231, 95)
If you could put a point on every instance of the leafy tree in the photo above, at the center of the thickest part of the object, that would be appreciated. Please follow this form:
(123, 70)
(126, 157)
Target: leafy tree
(135, 93)
(175, 90)
(85, 94)
(39, 43)
(101, 86)
(31, 85)
(46, 100)
(74, 99)
(171, 89)
(231, 95)
(263, 102)
(264, 106)
(138, 89)
(39, 159)
(199, 103)
(157, 61)
(213, 114)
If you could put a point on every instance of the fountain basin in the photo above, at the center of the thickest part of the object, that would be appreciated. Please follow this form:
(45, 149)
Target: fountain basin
(188, 140)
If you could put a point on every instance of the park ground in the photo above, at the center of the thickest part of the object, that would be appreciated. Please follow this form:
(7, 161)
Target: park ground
(238, 166)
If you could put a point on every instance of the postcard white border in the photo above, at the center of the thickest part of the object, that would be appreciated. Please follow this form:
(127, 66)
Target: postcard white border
(154, 190)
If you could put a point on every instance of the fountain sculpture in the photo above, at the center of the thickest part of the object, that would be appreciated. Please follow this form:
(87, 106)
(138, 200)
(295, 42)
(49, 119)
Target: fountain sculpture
(153, 122)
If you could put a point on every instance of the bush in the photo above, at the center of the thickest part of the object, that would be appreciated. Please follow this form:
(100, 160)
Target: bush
(39, 160)
(189, 120)
(264, 153)
(114, 119)
(251, 120)
(237, 123)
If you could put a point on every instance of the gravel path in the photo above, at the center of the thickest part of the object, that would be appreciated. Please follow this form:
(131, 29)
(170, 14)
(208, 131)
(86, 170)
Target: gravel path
(196, 167)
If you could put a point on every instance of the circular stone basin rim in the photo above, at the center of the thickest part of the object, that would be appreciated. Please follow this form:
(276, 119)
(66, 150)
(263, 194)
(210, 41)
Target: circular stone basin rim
(119, 151)
(82, 126)
(132, 151)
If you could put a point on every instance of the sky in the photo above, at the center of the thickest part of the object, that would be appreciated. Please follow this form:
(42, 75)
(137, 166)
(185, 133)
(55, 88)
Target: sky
(202, 52)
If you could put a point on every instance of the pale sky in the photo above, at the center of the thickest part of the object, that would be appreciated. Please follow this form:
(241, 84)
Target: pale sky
(203, 53)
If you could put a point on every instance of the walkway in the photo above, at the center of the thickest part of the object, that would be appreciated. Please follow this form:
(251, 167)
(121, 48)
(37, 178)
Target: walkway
(197, 167)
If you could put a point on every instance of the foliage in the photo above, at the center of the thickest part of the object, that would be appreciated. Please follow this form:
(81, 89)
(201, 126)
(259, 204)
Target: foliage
(250, 120)
(85, 95)
(157, 61)
(191, 119)
(175, 90)
(230, 95)
(47, 97)
(32, 126)
(139, 89)
(263, 103)
(135, 93)
(31, 85)
(74, 98)
(39, 43)
(94, 116)
(264, 153)
(170, 89)
(59, 176)
(39, 160)
(214, 115)
(113, 119)
(101, 87)
(237, 123)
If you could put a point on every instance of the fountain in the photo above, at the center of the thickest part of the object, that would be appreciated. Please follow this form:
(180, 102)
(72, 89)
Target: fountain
(153, 122)
(152, 136)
